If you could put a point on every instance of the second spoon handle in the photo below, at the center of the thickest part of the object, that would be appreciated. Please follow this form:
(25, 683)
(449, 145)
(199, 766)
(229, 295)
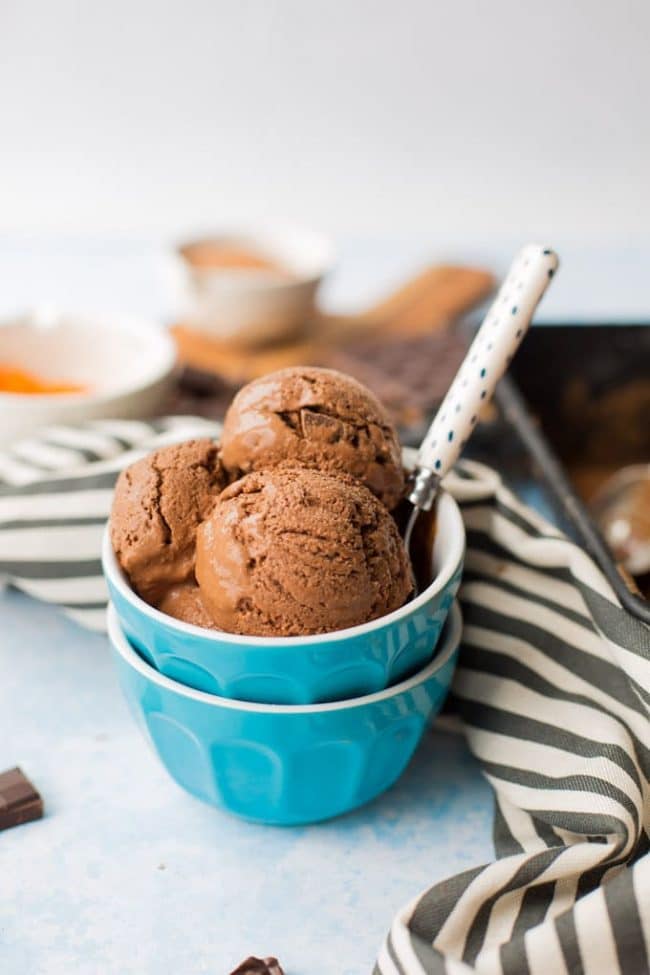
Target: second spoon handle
(488, 357)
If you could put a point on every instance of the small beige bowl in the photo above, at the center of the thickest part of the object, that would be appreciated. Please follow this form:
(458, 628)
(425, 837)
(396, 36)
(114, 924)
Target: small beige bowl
(253, 306)
(126, 365)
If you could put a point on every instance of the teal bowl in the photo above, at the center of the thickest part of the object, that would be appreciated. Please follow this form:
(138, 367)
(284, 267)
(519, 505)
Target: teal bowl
(284, 764)
(299, 670)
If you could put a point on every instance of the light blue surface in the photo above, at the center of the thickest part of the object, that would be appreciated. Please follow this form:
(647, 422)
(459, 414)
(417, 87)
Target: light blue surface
(127, 874)
(300, 670)
(278, 764)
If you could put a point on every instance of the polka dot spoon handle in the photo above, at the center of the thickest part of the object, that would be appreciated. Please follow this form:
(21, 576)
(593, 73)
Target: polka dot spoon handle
(488, 357)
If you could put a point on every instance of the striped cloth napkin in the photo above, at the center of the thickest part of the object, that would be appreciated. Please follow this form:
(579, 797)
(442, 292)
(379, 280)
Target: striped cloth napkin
(553, 690)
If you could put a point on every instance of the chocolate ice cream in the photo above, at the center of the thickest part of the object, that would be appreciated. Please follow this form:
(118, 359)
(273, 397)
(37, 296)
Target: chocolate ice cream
(159, 502)
(288, 552)
(185, 603)
(318, 418)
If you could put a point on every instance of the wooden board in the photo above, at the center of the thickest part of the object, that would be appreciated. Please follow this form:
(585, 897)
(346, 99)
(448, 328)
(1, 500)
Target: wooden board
(431, 300)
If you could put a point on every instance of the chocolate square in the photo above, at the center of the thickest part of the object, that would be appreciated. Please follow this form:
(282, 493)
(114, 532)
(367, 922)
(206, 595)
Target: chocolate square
(19, 800)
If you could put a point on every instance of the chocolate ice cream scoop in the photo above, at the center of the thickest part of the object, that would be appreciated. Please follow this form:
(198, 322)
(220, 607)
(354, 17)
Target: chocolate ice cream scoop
(289, 552)
(185, 603)
(622, 511)
(158, 504)
(319, 418)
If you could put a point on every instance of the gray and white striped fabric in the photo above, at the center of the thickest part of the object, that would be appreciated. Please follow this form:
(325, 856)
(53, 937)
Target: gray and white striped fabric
(553, 690)
(55, 497)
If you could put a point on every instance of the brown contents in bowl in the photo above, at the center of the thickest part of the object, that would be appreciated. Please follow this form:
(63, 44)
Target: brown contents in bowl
(316, 418)
(289, 552)
(158, 504)
(222, 256)
(13, 379)
(185, 603)
(302, 542)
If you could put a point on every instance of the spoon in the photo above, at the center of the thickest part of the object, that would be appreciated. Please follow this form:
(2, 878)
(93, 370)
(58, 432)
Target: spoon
(486, 361)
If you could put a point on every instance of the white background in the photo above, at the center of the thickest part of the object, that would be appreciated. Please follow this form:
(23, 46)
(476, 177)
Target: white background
(461, 120)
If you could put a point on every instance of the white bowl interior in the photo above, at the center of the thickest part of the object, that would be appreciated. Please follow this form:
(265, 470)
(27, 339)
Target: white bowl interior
(105, 356)
(448, 642)
(448, 549)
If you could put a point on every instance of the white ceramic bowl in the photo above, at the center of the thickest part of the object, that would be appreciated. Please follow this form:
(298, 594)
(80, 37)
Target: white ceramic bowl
(126, 364)
(254, 307)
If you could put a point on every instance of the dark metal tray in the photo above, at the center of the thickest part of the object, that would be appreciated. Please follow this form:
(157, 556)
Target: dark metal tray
(586, 389)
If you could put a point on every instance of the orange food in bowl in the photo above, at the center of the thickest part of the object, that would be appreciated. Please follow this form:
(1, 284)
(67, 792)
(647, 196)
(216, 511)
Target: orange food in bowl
(16, 380)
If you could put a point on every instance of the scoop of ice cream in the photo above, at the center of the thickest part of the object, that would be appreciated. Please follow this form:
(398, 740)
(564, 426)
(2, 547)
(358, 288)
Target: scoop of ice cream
(289, 552)
(319, 418)
(158, 504)
(185, 603)
(622, 510)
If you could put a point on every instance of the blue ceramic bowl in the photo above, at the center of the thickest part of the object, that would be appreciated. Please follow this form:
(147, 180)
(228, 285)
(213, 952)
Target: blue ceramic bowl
(280, 764)
(299, 670)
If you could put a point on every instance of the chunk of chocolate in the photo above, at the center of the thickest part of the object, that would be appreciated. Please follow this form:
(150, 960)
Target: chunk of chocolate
(259, 966)
(19, 800)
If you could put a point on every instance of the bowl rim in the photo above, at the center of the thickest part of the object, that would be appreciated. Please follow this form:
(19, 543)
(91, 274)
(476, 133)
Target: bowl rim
(264, 235)
(117, 324)
(446, 647)
(446, 507)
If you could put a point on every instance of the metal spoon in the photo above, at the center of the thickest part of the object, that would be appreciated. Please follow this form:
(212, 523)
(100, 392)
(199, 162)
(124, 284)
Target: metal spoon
(486, 361)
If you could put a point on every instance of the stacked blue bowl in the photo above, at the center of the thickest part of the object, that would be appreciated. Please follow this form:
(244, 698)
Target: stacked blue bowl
(296, 729)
